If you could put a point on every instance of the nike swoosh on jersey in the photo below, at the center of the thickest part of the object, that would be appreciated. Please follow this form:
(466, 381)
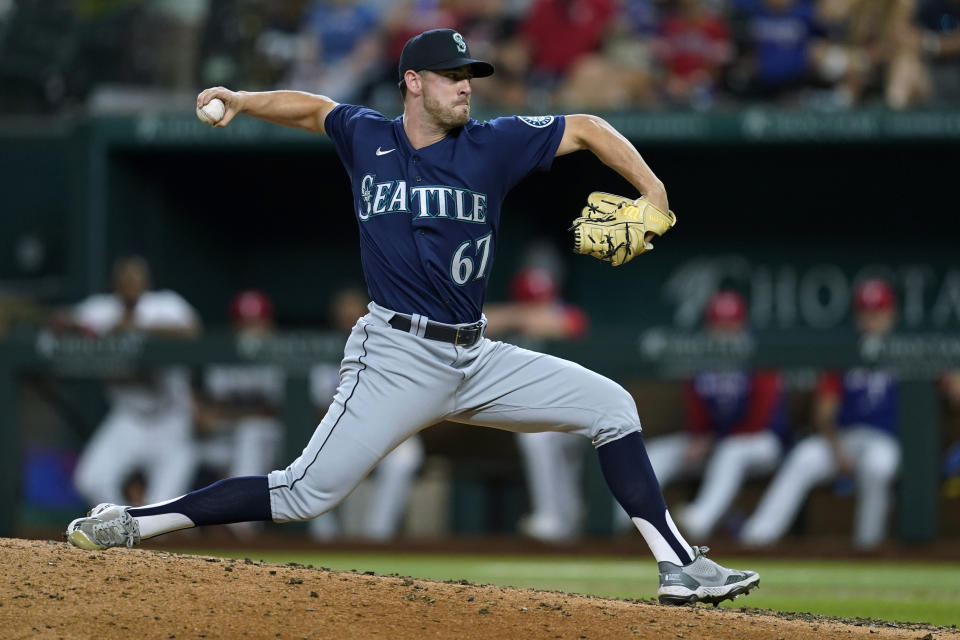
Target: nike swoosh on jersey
(383, 153)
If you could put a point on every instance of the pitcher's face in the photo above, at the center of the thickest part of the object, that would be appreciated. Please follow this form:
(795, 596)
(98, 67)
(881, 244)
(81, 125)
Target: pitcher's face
(446, 96)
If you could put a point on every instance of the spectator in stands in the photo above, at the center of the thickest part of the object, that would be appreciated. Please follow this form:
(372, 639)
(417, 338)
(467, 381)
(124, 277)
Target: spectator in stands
(694, 45)
(250, 43)
(403, 19)
(621, 74)
(776, 44)
(339, 49)
(165, 42)
(150, 416)
(736, 426)
(393, 477)
(557, 34)
(868, 54)
(236, 410)
(490, 26)
(934, 34)
(553, 461)
(855, 417)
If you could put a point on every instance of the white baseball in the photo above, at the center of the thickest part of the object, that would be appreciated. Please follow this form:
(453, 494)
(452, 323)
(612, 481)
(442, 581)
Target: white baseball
(212, 111)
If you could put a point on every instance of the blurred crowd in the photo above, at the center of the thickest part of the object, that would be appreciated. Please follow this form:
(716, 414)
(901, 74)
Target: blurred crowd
(601, 55)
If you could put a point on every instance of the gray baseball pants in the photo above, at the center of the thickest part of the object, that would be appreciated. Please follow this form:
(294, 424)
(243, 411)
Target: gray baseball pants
(394, 383)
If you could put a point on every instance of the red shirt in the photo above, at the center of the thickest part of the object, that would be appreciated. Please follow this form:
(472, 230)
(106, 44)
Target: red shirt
(560, 31)
(689, 46)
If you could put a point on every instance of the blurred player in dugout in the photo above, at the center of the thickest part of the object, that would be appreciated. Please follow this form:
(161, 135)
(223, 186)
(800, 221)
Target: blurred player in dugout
(236, 406)
(552, 460)
(949, 384)
(856, 439)
(736, 425)
(149, 418)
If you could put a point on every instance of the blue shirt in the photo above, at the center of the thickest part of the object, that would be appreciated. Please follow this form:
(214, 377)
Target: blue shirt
(429, 217)
(340, 28)
(866, 397)
(781, 39)
(737, 403)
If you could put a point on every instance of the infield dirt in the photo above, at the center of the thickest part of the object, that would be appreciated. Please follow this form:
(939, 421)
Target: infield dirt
(51, 590)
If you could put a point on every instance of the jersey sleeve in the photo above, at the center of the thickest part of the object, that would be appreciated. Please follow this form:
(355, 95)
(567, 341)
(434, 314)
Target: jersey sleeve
(340, 125)
(526, 144)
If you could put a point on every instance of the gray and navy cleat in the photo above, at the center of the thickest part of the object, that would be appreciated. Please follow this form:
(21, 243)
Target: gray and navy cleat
(703, 580)
(106, 525)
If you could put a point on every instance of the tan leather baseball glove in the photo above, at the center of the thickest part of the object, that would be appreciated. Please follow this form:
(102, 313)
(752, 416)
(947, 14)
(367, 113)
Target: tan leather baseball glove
(613, 228)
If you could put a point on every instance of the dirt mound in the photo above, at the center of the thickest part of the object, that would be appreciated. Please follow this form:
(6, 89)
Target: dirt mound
(51, 590)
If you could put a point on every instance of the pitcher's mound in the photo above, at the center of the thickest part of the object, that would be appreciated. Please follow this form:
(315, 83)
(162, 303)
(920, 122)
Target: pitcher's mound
(51, 590)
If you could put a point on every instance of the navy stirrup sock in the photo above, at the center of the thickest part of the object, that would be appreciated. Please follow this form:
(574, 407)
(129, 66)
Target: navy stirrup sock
(627, 470)
(240, 499)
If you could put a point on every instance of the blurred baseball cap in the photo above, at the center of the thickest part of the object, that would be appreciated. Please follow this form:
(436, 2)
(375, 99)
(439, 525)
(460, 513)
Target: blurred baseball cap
(251, 305)
(726, 307)
(874, 294)
(533, 285)
(438, 49)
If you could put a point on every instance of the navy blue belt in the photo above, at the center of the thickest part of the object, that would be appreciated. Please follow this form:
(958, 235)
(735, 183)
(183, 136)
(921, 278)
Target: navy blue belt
(460, 335)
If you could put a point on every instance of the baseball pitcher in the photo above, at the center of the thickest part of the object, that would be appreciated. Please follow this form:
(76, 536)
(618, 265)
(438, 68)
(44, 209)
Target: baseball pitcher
(427, 190)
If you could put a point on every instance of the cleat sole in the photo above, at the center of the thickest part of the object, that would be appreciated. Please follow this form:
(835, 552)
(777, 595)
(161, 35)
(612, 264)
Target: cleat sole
(81, 541)
(678, 600)
(715, 600)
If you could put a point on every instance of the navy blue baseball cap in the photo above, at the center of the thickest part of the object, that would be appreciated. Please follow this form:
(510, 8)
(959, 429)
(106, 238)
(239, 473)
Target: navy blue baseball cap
(439, 49)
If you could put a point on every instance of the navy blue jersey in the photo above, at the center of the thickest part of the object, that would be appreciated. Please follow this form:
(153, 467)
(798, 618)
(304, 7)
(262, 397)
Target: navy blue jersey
(429, 217)
(866, 397)
(724, 403)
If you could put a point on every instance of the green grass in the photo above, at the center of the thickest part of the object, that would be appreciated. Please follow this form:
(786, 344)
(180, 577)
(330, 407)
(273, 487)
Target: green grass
(903, 592)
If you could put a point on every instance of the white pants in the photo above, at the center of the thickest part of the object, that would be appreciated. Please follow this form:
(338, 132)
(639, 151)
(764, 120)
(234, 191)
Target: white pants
(394, 383)
(158, 444)
(732, 460)
(392, 482)
(876, 458)
(553, 462)
(247, 447)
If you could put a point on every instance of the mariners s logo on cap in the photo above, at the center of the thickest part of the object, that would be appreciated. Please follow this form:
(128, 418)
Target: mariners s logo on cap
(439, 49)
